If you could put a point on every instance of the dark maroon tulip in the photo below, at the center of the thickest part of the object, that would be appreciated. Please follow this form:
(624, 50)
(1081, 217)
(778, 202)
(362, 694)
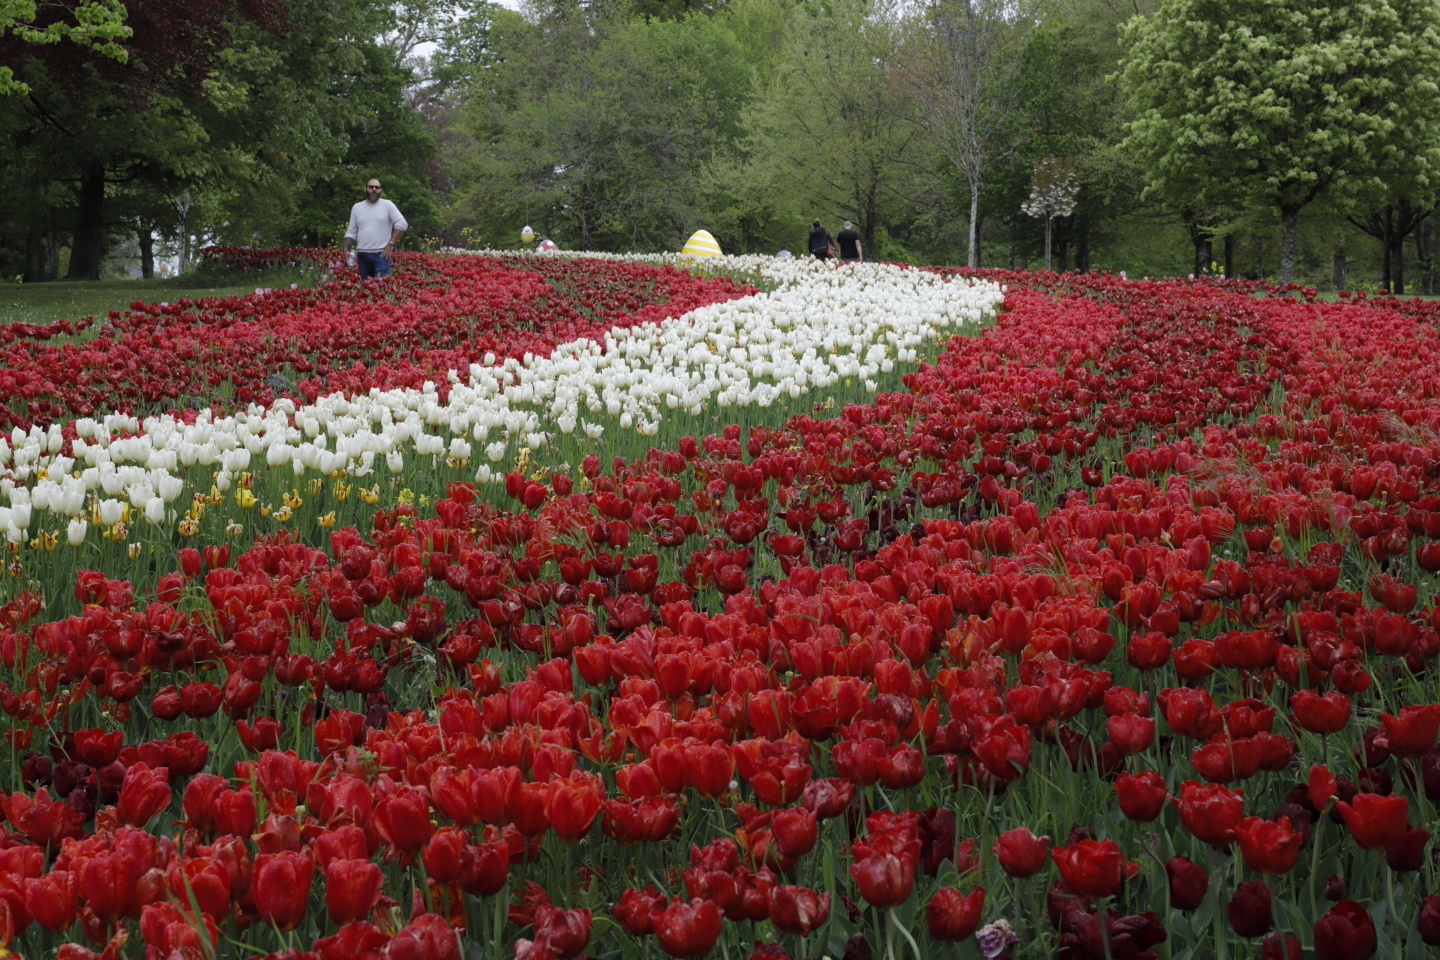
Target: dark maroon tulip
(1429, 922)
(1409, 853)
(1249, 909)
(1345, 933)
(1188, 883)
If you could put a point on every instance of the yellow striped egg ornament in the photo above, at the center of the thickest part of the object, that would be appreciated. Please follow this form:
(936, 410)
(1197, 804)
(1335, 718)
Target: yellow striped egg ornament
(701, 244)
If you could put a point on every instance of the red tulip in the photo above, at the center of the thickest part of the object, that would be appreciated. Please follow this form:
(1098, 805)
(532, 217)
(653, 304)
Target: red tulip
(884, 879)
(1346, 932)
(1092, 868)
(443, 854)
(798, 910)
(281, 887)
(565, 932)
(710, 767)
(1210, 811)
(795, 831)
(403, 819)
(1321, 714)
(952, 916)
(352, 888)
(574, 804)
(1249, 909)
(1376, 822)
(1268, 846)
(1188, 883)
(1141, 795)
(637, 910)
(1413, 732)
(51, 900)
(1021, 853)
(145, 793)
(484, 868)
(426, 937)
(688, 929)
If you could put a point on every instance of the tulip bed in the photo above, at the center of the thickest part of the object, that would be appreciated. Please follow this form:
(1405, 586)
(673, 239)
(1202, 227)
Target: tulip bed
(553, 607)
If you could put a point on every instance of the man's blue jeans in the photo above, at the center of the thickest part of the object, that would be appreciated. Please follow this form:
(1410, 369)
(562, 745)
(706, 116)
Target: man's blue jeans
(372, 264)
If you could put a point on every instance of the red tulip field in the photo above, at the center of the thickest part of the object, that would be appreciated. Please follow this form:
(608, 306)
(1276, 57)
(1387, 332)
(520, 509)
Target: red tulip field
(557, 607)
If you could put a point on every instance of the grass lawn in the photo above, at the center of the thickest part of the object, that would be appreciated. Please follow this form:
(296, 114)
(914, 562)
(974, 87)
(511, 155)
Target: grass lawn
(75, 299)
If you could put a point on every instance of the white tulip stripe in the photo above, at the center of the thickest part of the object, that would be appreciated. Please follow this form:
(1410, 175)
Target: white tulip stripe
(821, 326)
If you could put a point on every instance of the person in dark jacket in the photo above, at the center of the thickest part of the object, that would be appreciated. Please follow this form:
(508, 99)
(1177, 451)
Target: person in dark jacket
(819, 241)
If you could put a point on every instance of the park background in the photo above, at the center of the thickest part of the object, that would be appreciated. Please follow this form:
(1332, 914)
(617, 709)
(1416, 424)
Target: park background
(625, 126)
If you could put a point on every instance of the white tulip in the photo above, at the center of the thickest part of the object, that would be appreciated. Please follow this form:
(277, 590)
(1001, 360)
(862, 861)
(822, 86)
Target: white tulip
(111, 512)
(75, 533)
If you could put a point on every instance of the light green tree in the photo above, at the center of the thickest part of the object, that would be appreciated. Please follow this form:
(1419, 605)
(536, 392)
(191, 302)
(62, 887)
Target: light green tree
(1272, 103)
(97, 24)
(829, 133)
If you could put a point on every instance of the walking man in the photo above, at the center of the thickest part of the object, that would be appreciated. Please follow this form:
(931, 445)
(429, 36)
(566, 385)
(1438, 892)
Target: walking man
(849, 241)
(375, 227)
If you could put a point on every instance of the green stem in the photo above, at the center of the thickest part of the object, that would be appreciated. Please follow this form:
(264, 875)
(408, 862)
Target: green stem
(1222, 941)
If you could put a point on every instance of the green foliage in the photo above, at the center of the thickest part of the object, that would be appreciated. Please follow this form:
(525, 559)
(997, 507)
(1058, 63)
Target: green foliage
(1272, 103)
(597, 128)
(96, 24)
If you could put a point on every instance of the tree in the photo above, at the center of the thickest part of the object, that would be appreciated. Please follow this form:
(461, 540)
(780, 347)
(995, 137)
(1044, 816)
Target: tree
(1275, 102)
(961, 62)
(1052, 195)
(829, 132)
(595, 128)
(98, 25)
(231, 103)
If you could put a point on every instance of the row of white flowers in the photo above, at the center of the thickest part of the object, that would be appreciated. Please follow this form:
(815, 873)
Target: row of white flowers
(821, 325)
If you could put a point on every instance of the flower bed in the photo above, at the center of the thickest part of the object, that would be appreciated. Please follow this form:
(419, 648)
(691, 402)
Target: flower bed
(1109, 629)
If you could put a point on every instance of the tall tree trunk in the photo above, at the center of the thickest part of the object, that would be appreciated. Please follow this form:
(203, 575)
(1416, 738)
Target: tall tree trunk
(146, 237)
(1397, 248)
(1204, 253)
(1229, 255)
(1337, 266)
(1063, 255)
(1289, 230)
(1048, 228)
(973, 255)
(87, 246)
(35, 253)
(1386, 247)
(1425, 256)
(1082, 252)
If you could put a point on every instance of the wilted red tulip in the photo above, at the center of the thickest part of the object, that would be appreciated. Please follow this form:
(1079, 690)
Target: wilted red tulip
(1376, 822)
(1021, 853)
(352, 888)
(1092, 868)
(829, 797)
(484, 868)
(566, 932)
(1141, 795)
(637, 909)
(952, 916)
(688, 929)
(1346, 932)
(1268, 846)
(426, 937)
(1188, 883)
(798, 910)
